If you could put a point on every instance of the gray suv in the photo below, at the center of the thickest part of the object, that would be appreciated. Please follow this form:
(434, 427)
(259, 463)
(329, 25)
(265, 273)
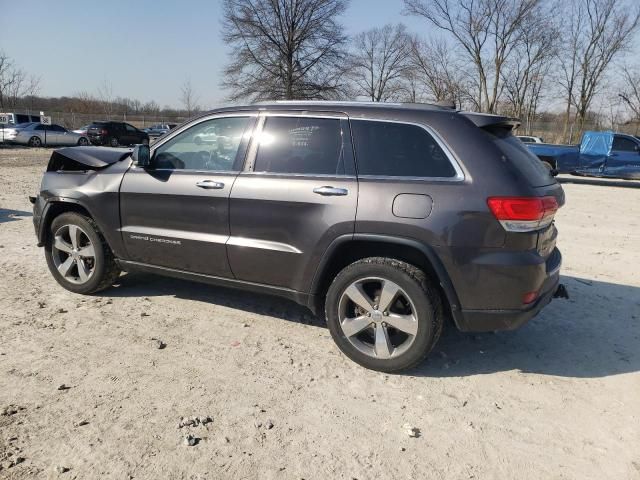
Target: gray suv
(387, 219)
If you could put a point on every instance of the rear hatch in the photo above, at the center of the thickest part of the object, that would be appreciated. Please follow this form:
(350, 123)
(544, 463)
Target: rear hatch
(531, 169)
(95, 129)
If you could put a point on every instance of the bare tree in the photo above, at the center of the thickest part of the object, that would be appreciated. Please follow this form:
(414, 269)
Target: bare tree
(525, 72)
(378, 61)
(105, 94)
(434, 69)
(11, 81)
(189, 97)
(631, 92)
(291, 49)
(487, 31)
(596, 33)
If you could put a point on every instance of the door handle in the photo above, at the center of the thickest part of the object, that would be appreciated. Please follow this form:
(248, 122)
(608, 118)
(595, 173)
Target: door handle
(328, 191)
(210, 184)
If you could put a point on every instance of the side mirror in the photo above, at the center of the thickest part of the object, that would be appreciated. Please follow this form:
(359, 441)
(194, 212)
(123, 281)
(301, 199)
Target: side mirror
(141, 156)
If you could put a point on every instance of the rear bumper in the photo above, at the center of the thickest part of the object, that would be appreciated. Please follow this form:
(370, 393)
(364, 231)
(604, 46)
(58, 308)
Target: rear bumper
(485, 320)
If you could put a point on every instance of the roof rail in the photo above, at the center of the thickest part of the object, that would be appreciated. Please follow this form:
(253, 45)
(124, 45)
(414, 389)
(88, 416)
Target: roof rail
(448, 105)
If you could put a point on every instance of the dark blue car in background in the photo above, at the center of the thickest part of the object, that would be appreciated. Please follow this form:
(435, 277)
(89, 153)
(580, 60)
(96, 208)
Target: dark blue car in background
(600, 154)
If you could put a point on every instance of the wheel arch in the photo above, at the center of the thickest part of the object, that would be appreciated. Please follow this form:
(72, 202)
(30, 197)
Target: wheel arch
(55, 208)
(550, 160)
(350, 248)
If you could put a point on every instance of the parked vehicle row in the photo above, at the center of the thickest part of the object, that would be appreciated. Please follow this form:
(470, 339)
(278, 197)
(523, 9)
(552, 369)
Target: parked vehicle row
(112, 134)
(160, 129)
(115, 134)
(600, 154)
(388, 219)
(36, 134)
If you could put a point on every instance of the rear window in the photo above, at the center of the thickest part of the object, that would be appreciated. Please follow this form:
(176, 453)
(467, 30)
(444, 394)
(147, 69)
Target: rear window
(520, 157)
(390, 149)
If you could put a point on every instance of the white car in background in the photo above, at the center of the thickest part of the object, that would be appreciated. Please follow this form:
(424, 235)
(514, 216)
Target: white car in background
(39, 135)
(530, 139)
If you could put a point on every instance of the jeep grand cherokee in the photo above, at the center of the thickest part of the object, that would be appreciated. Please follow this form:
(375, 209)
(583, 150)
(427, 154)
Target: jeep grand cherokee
(386, 219)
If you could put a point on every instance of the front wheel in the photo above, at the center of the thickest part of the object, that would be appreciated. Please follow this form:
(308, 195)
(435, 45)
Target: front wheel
(384, 314)
(83, 142)
(78, 256)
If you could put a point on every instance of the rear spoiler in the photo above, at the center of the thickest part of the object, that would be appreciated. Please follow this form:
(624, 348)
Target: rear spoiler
(487, 120)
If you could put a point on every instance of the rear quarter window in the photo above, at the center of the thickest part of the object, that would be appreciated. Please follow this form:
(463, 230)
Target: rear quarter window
(393, 149)
(520, 157)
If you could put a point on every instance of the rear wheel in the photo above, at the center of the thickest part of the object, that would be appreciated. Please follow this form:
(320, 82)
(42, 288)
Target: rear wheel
(35, 142)
(78, 256)
(113, 142)
(83, 142)
(384, 314)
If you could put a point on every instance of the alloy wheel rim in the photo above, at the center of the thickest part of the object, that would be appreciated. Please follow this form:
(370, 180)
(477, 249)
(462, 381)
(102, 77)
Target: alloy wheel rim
(73, 254)
(378, 317)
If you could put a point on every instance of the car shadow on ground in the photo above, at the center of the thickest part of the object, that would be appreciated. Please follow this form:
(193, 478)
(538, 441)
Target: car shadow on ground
(148, 285)
(12, 215)
(596, 333)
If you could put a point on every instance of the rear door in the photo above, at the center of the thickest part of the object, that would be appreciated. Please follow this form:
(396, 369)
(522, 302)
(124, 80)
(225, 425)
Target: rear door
(59, 135)
(132, 134)
(176, 214)
(297, 194)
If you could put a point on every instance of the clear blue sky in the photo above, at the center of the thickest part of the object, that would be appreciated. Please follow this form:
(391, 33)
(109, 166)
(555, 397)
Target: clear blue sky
(145, 49)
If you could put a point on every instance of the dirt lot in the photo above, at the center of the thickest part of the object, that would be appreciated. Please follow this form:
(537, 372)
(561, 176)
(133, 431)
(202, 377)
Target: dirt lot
(559, 398)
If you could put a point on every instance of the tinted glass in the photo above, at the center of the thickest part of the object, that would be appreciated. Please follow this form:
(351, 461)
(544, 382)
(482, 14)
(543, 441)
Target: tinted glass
(300, 145)
(57, 128)
(622, 144)
(520, 157)
(129, 128)
(211, 145)
(398, 150)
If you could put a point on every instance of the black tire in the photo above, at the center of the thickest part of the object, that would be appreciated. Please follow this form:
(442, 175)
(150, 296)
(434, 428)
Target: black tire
(83, 142)
(106, 269)
(113, 142)
(424, 296)
(547, 165)
(35, 142)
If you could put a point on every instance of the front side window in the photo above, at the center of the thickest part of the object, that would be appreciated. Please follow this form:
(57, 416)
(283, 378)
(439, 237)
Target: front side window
(398, 150)
(300, 145)
(211, 145)
(129, 128)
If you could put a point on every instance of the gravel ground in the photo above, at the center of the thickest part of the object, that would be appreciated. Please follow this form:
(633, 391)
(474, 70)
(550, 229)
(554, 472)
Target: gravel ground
(86, 392)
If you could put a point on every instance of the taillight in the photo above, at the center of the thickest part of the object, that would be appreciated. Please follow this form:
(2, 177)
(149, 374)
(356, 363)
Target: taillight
(103, 132)
(523, 214)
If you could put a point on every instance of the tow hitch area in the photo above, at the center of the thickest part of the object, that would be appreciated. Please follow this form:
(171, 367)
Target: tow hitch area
(561, 292)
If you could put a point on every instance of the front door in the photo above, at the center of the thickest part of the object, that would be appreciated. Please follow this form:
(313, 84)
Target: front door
(296, 195)
(176, 213)
(624, 151)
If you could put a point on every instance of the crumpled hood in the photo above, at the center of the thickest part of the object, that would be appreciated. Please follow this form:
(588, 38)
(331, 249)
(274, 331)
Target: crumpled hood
(93, 157)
